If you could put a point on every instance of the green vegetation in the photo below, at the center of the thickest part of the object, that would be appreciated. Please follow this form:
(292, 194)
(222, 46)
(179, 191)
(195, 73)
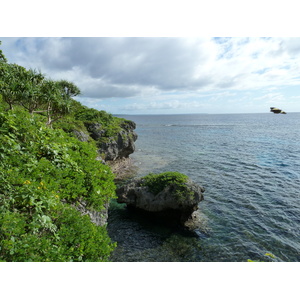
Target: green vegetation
(157, 182)
(31, 90)
(36, 94)
(45, 172)
(108, 122)
(2, 56)
(42, 173)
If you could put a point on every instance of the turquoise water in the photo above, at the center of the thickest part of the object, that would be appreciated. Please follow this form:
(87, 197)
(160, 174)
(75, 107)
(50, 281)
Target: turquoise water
(249, 165)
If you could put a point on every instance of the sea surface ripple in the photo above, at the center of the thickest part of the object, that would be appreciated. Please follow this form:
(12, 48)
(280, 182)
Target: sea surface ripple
(249, 165)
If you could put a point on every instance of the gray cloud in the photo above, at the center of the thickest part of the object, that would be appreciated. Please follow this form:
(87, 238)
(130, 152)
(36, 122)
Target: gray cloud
(122, 64)
(128, 67)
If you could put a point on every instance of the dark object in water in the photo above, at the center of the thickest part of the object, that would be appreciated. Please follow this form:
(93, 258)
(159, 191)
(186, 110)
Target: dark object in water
(277, 110)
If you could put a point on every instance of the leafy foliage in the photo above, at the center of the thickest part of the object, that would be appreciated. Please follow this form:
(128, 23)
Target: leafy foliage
(12, 87)
(92, 115)
(110, 124)
(60, 235)
(158, 182)
(42, 173)
(45, 172)
(58, 98)
(2, 56)
(31, 96)
(31, 90)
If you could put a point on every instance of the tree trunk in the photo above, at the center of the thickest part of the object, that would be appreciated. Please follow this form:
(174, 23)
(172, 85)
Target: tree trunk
(49, 116)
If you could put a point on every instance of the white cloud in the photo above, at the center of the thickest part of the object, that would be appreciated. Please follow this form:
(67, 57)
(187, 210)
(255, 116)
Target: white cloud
(165, 69)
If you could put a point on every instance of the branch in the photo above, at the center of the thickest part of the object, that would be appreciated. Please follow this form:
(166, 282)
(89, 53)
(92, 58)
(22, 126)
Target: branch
(54, 120)
(39, 111)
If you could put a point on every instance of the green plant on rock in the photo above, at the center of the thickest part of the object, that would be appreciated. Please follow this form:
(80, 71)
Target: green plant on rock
(111, 125)
(158, 182)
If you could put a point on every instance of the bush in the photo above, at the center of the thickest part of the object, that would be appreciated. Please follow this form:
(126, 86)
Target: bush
(61, 235)
(158, 182)
(110, 124)
(42, 172)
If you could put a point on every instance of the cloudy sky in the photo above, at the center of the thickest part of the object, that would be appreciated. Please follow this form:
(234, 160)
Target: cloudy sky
(169, 75)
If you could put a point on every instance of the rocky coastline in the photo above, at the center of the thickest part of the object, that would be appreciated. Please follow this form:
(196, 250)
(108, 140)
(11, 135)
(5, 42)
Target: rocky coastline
(117, 147)
(115, 152)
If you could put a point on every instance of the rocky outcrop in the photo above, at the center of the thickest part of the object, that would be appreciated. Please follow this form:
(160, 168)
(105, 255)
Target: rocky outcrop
(114, 151)
(118, 146)
(81, 136)
(164, 205)
(98, 218)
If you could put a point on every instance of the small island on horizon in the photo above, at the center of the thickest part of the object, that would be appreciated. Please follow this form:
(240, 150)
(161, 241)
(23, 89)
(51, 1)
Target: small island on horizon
(276, 110)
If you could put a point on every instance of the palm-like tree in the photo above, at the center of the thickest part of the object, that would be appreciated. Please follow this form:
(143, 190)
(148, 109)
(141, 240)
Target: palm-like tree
(57, 98)
(2, 56)
(30, 89)
(32, 82)
(11, 87)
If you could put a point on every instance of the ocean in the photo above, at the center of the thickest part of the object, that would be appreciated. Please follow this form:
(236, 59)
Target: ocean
(249, 165)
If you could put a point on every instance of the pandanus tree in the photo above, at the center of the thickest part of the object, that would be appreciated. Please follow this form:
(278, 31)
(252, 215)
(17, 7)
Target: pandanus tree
(20, 86)
(57, 98)
(30, 89)
(12, 85)
(68, 89)
(2, 56)
(9, 85)
(32, 82)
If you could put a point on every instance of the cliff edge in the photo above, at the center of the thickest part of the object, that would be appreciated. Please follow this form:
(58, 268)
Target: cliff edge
(118, 146)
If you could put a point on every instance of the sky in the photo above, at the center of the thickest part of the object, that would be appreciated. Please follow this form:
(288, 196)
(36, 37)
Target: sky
(214, 65)
(169, 75)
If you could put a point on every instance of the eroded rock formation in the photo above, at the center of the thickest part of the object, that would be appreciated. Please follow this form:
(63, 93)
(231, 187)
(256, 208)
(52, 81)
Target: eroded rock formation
(113, 150)
(165, 205)
(116, 147)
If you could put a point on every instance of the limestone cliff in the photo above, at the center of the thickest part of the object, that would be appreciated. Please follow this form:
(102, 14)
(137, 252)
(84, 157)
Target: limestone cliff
(113, 149)
(118, 146)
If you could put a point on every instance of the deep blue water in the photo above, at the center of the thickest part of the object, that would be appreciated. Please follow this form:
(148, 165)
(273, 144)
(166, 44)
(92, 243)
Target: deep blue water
(249, 165)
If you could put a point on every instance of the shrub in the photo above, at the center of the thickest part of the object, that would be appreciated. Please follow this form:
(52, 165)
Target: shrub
(158, 182)
(110, 124)
(61, 235)
(39, 168)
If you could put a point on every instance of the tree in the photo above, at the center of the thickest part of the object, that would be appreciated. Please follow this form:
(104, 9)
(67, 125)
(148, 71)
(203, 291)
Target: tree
(57, 98)
(2, 56)
(68, 89)
(51, 99)
(31, 93)
(30, 89)
(11, 83)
